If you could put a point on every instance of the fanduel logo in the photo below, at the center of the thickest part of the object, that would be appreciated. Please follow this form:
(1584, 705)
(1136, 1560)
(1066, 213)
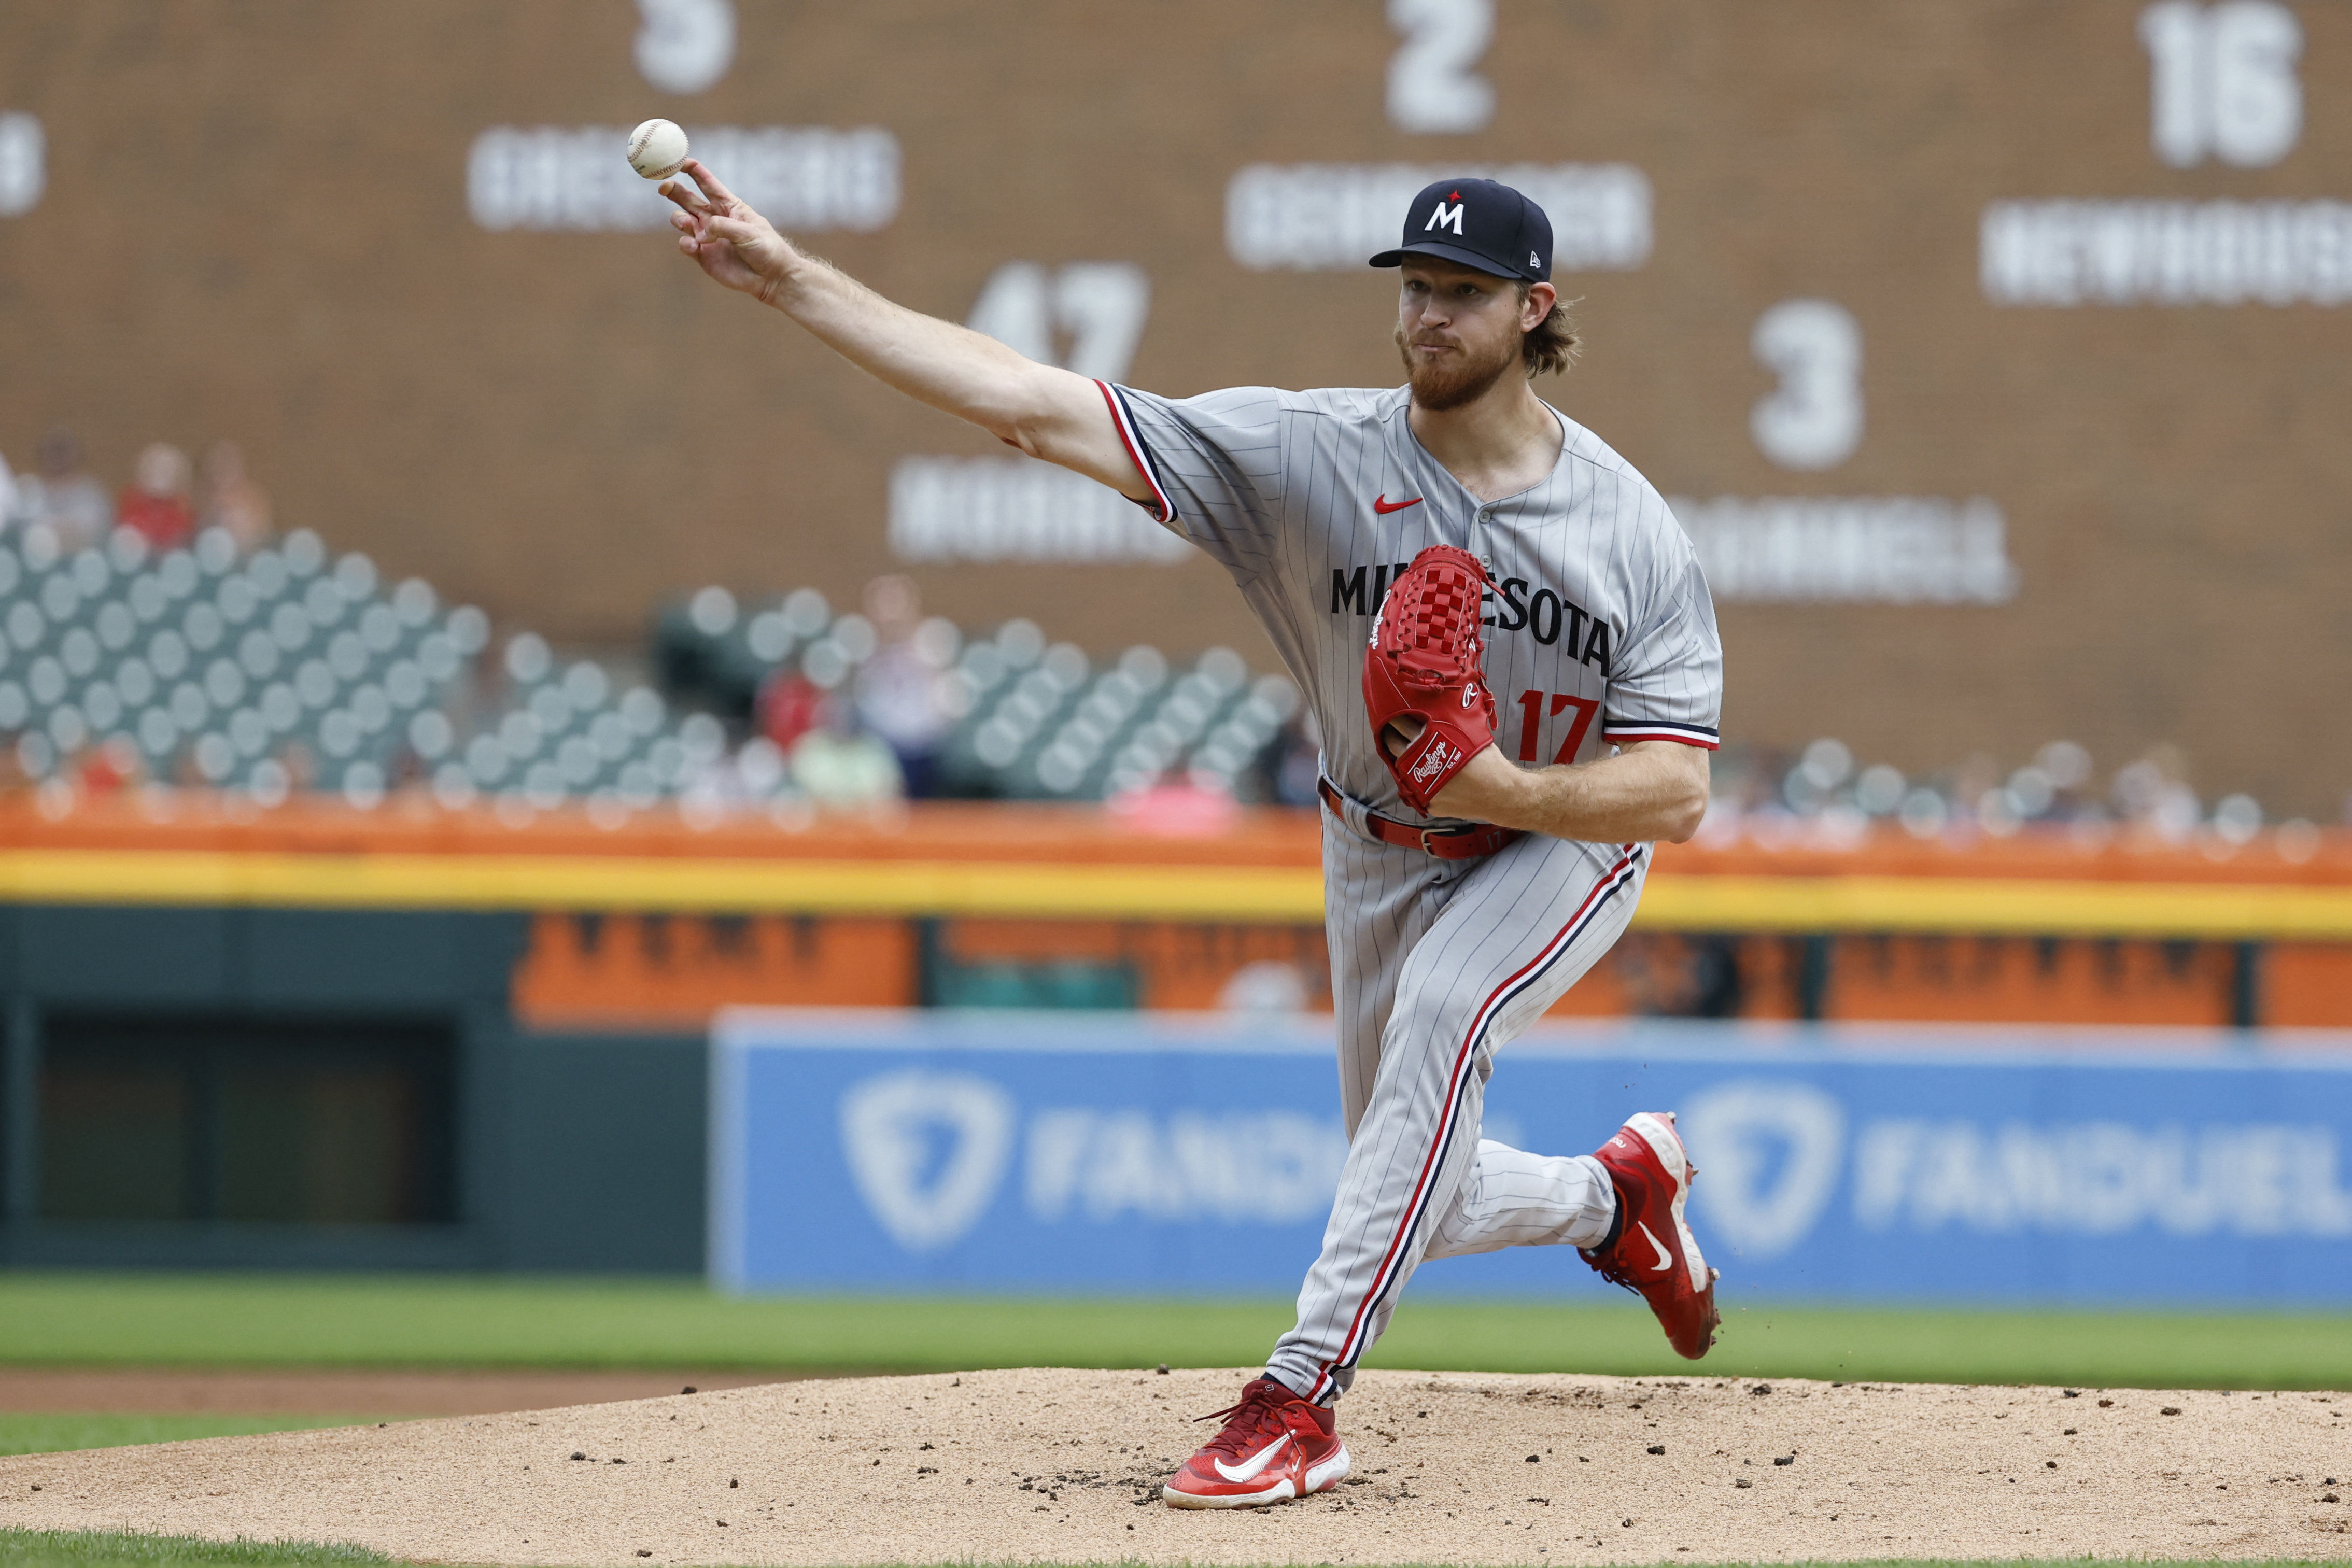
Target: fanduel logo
(890, 1128)
(1771, 1151)
(1275, 1167)
(2101, 1179)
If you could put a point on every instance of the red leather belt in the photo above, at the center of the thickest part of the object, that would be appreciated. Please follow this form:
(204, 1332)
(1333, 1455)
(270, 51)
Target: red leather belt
(1445, 843)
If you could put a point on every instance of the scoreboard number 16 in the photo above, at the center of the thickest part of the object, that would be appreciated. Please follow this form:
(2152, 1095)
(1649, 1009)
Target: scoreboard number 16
(2223, 81)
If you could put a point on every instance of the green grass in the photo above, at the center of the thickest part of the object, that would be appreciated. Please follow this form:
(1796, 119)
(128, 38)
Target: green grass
(45, 1432)
(281, 1319)
(106, 1549)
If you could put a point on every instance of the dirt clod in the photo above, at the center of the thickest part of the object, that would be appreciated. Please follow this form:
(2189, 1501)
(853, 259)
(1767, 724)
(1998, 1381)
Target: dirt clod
(2170, 1410)
(1657, 1449)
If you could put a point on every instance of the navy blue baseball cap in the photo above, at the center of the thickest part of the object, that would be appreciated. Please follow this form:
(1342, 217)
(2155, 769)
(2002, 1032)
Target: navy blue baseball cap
(1479, 223)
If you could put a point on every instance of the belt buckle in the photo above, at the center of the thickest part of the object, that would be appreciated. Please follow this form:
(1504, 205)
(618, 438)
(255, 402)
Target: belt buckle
(1425, 846)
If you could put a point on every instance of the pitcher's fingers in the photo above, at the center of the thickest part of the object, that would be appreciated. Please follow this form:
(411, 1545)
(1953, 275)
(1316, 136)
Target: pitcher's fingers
(721, 196)
(684, 194)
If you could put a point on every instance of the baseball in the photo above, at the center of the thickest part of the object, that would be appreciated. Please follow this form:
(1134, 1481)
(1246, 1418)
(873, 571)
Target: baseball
(657, 149)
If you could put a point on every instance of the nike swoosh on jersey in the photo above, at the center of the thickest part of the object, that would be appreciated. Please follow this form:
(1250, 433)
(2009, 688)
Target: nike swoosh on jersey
(1665, 1258)
(1383, 506)
(1255, 1466)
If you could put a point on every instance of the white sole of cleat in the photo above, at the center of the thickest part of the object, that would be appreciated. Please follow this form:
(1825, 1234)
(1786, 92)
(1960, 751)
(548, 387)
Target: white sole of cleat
(1320, 1477)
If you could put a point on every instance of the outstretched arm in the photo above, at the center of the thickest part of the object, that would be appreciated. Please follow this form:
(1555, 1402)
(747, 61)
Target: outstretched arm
(1651, 790)
(1044, 411)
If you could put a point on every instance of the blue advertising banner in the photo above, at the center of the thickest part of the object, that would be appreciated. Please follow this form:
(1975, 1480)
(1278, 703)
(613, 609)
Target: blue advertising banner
(1129, 1152)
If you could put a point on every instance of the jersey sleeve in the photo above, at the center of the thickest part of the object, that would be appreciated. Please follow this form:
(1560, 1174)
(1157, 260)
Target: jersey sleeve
(1666, 684)
(1214, 464)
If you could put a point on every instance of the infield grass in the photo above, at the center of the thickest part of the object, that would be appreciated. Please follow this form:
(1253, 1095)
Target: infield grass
(289, 1320)
(106, 1549)
(23, 1432)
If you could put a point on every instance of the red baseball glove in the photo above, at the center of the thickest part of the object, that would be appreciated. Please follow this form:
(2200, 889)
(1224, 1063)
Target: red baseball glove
(1425, 661)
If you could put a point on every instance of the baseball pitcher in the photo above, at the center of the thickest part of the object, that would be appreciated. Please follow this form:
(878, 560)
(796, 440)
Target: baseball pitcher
(1514, 659)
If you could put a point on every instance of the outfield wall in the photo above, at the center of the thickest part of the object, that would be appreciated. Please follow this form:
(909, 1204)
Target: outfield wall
(238, 1087)
(2001, 340)
(935, 1152)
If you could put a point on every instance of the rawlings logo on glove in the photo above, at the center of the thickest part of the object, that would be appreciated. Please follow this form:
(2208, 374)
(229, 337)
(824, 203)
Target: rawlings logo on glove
(1423, 663)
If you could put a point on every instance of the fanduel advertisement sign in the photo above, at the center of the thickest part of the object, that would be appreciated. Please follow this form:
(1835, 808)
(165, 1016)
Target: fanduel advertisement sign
(1124, 1152)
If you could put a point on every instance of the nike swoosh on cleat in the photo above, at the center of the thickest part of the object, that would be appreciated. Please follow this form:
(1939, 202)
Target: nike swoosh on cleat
(1254, 1467)
(1383, 506)
(1665, 1258)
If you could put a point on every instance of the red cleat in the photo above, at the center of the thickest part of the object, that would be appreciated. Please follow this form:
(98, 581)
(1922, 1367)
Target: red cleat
(1272, 1446)
(1654, 1255)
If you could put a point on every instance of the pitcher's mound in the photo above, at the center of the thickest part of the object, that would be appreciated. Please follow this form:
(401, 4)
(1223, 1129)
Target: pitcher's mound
(1062, 1466)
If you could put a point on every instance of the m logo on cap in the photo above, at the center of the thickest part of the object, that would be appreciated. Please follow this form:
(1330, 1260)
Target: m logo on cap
(1444, 217)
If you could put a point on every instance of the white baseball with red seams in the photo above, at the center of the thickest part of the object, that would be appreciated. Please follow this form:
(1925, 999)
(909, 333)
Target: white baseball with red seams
(1599, 631)
(657, 149)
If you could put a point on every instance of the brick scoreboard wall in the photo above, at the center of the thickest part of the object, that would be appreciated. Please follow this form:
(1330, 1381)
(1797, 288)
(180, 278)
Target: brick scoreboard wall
(256, 225)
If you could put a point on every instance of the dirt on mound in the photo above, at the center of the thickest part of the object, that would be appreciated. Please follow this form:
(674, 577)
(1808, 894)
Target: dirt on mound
(1061, 1465)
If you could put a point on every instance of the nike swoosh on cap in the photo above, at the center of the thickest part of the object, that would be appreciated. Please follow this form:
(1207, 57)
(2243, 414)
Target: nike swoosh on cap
(1665, 1258)
(1382, 505)
(1255, 1466)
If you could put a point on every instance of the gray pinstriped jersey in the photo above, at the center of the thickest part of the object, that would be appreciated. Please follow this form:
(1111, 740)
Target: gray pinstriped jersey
(1600, 630)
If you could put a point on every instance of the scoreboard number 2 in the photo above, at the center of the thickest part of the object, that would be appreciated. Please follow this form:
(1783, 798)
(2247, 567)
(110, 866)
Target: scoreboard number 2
(1431, 84)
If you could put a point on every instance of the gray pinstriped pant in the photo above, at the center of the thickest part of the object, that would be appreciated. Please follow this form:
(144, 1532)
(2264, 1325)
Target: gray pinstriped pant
(1436, 965)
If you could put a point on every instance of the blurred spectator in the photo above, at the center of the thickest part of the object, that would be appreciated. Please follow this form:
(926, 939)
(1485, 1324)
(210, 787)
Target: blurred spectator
(155, 506)
(836, 765)
(232, 501)
(1299, 760)
(789, 705)
(7, 493)
(902, 692)
(112, 766)
(70, 502)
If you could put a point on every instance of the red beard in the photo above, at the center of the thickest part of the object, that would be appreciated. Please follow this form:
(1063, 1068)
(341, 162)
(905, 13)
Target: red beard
(1450, 385)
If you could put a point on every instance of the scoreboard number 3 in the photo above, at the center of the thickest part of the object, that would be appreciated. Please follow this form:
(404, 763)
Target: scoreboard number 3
(1813, 418)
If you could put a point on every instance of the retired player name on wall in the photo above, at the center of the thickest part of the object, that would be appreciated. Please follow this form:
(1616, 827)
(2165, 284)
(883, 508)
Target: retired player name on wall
(1852, 550)
(1330, 217)
(552, 177)
(945, 509)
